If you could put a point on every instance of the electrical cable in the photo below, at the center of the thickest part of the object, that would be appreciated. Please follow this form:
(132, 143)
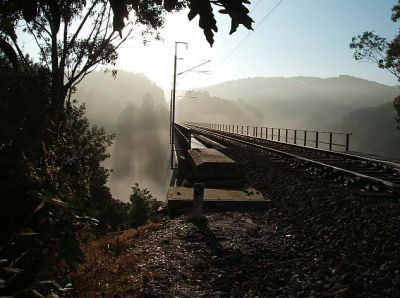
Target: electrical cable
(247, 36)
(230, 36)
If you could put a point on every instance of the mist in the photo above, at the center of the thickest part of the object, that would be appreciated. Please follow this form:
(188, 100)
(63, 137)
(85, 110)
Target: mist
(306, 102)
(134, 108)
(341, 104)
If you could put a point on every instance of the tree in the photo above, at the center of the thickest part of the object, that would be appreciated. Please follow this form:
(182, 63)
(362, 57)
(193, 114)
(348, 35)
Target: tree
(143, 206)
(372, 48)
(52, 179)
(67, 49)
(70, 51)
(149, 12)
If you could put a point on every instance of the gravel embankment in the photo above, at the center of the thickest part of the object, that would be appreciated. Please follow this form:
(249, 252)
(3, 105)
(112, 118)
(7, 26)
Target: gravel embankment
(317, 238)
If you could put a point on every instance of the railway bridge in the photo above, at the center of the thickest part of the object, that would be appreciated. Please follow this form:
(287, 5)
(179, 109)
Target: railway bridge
(203, 155)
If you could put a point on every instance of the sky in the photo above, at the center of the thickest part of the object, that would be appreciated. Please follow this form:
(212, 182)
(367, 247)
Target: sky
(299, 38)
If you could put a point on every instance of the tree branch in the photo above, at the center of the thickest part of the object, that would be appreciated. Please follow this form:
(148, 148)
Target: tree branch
(75, 36)
(42, 27)
(95, 28)
(21, 55)
(39, 46)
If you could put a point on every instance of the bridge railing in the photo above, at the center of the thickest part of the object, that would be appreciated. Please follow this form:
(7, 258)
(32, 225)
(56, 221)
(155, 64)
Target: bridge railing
(181, 141)
(328, 140)
(183, 136)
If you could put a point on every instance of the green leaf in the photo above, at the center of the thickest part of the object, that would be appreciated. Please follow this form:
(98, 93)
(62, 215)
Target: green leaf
(12, 269)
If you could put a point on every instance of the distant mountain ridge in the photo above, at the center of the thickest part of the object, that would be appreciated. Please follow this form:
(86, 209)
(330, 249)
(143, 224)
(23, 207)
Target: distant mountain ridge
(310, 102)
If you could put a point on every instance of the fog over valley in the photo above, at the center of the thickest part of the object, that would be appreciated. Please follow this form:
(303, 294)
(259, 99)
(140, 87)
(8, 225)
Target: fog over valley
(134, 108)
(137, 111)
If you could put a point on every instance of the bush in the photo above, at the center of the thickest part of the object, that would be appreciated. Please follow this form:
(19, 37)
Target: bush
(51, 172)
(143, 207)
(52, 178)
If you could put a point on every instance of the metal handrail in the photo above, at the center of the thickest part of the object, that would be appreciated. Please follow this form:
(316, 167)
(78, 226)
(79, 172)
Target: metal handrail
(186, 136)
(303, 136)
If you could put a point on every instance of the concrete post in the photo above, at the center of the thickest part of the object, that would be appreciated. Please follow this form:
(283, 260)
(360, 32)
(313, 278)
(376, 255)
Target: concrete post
(198, 201)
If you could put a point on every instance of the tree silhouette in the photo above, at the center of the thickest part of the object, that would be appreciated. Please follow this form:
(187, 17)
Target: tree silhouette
(148, 123)
(372, 48)
(75, 51)
(72, 37)
(124, 149)
(150, 12)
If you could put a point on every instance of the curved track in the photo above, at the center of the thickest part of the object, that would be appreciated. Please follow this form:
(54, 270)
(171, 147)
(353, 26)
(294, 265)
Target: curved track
(369, 173)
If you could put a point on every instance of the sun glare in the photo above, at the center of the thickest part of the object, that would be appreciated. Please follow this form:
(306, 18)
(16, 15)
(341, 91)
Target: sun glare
(155, 59)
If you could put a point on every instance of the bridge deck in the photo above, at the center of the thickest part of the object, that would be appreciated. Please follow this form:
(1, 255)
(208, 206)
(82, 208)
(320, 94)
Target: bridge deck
(182, 197)
(196, 144)
(213, 168)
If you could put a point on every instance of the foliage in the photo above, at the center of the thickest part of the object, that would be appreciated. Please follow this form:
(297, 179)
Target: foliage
(50, 155)
(372, 48)
(70, 51)
(369, 47)
(52, 183)
(396, 104)
(67, 48)
(37, 226)
(156, 8)
(374, 130)
(143, 206)
(51, 176)
(151, 14)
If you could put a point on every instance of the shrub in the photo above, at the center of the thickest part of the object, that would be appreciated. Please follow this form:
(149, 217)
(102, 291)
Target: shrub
(143, 206)
(51, 172)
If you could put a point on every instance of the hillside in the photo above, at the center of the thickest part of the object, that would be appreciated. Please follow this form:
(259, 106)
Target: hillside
(105, 96)
(374, 130)
(199, 106)
(305, 102)
(134, 108)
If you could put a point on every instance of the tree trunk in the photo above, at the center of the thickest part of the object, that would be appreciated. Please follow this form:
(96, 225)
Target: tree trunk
(58, 90)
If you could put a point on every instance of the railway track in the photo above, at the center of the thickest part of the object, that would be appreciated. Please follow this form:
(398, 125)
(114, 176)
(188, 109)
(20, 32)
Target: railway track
(367, 173)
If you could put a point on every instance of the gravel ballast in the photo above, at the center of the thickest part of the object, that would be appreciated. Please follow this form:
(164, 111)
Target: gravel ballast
(316, 238)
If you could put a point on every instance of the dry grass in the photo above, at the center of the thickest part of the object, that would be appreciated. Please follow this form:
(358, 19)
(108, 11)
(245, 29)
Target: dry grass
(109, 268)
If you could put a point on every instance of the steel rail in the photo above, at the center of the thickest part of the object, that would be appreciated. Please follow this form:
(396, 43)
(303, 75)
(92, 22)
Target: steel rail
(306, 148)
(387, 184)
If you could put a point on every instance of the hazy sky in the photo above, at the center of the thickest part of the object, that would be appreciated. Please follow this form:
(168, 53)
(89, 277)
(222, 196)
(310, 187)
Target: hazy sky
(301, 37)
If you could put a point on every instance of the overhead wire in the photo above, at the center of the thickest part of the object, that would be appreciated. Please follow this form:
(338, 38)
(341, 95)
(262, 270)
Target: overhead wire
(219, 50)
(248, 34)
(226, 42)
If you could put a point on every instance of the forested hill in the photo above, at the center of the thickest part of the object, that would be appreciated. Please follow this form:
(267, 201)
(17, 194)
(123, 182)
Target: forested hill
(374, 130)
(199, 106)
(105, 96)
(134, 108)
(306, 101)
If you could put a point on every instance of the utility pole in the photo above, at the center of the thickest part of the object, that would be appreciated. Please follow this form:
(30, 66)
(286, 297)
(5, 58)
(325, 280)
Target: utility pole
(173, 96)
(172, 111)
